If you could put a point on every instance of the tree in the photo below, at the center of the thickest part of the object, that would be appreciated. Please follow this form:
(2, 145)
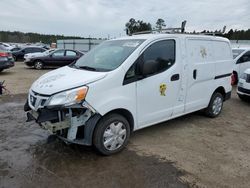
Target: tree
(133, 26)
(160, 24)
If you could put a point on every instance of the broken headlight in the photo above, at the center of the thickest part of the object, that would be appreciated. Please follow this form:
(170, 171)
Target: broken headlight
(69, 97)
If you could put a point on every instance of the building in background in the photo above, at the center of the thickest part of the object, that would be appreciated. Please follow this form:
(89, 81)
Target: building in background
(83, 45)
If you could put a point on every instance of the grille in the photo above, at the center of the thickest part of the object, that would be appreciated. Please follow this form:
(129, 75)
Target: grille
(37, 101)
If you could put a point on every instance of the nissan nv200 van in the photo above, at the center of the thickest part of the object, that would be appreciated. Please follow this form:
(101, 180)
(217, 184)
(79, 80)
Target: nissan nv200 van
(130, 83)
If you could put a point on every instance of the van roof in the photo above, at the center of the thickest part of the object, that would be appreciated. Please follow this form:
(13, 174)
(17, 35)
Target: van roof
(161, 35)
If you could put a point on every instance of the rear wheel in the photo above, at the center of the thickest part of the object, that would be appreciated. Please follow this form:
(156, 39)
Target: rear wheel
(1, 70)
(14, 57)
(215, 105)
(111, 134)
(38, 65)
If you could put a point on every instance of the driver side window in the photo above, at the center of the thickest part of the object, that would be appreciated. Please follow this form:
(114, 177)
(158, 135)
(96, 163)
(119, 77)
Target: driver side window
(162, 53)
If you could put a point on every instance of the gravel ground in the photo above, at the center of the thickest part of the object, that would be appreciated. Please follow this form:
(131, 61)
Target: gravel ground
(192, 150)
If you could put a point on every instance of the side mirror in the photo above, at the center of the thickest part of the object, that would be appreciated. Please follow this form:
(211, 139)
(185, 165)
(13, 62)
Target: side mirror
(149, 67)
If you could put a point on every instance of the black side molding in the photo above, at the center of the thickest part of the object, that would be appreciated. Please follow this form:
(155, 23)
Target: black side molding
(222, 76)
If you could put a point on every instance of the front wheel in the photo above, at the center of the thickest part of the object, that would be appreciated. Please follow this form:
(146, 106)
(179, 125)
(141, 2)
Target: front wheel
(215, 105)
(111, 134)
(38, 65)
(1, 70)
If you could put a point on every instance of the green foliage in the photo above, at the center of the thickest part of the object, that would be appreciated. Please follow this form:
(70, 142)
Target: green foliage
(136, 26)
(20, 37)
(160, 24)
(238, 34)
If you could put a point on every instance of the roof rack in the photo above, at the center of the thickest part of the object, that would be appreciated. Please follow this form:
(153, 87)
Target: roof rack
(176, 30)
(214, 33)
(165, 30)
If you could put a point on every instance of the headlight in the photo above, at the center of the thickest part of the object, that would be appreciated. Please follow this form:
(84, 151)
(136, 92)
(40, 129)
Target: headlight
(68, 98)
(243, 76)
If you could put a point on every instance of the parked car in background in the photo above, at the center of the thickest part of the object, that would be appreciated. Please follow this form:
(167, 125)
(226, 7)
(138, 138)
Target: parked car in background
(57, 58)
(243, 89)
(6, 46)
(15, 49)
(19, 55)
(37, 54)
(242, 62)
(6, 60)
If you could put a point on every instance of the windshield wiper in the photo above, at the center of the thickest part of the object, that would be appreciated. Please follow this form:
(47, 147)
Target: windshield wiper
(87, 68)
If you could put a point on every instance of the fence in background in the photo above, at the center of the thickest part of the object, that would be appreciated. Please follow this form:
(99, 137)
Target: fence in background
(83, 45)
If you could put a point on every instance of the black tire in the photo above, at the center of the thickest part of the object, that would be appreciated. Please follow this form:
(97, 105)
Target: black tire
(243, 97)
(15, 58)
(1, 70)
(104, 126)
(38, 65)
(215, 105)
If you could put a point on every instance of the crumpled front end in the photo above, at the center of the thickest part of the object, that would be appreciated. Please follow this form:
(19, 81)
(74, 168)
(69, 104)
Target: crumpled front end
(73, 124)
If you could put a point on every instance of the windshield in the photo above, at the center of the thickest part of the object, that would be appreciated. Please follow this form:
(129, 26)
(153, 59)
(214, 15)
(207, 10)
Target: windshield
(108, 56)
(237, 52)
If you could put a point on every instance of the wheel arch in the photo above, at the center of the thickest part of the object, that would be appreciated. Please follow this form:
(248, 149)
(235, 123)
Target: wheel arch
(220, 90)
(125, 113)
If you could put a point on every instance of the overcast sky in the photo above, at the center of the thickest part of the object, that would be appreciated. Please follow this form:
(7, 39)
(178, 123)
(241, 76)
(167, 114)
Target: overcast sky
(100, 18)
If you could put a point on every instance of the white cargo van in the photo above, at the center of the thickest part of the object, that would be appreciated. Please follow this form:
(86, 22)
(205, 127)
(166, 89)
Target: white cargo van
(130, 83)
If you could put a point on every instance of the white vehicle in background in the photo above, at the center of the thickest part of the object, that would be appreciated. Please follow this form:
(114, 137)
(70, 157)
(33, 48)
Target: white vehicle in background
(38, 54)
(241, 57)
(130, 83)
(243, 89)
(7, 46)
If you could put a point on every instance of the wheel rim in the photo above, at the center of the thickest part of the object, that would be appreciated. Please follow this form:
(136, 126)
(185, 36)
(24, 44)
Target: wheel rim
(217, 105)
(114, 136)
(38, 65)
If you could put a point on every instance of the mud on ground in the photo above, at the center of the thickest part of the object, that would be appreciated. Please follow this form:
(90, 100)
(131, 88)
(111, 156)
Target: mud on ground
(27, 160)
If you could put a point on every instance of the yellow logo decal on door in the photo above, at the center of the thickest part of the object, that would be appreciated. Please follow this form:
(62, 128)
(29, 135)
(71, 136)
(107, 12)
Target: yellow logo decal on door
(163, 88)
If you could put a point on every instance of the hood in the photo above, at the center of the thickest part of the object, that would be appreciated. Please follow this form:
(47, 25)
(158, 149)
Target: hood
(63, 79)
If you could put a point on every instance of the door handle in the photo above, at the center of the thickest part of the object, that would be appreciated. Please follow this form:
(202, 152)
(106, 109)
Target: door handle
(175, 77)
(195, 74)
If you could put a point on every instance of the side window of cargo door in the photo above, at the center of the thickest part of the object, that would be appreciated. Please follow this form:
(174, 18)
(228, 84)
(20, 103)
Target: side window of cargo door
(162, 52)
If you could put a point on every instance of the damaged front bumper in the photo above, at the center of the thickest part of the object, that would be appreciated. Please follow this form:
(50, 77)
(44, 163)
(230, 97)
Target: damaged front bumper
(73, 124)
